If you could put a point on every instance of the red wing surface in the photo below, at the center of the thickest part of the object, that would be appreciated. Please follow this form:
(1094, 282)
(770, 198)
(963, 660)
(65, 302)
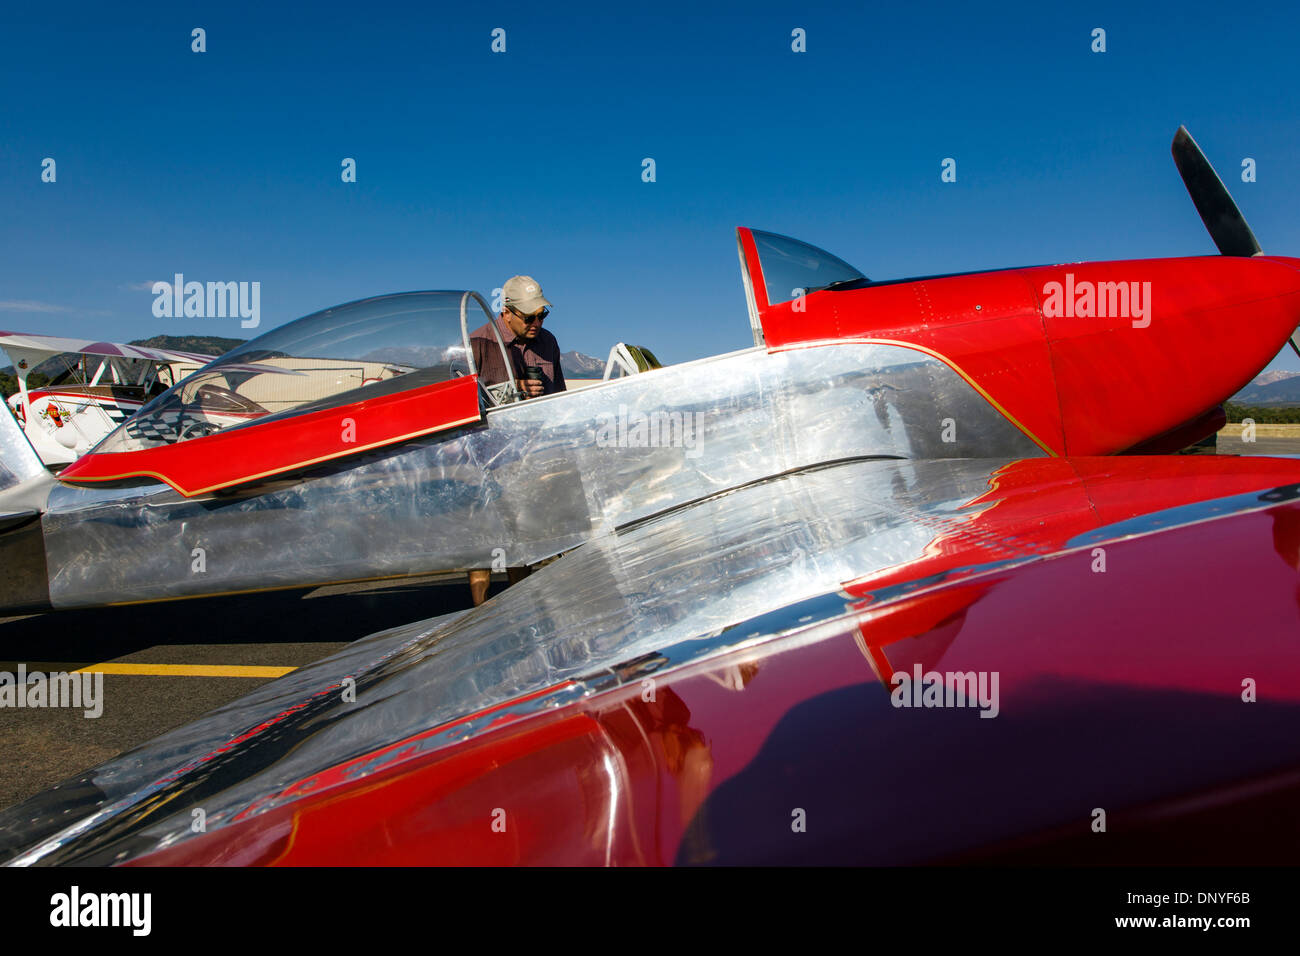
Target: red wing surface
(930, 660)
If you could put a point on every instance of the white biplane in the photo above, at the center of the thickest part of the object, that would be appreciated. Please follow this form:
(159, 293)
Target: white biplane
(102, 385)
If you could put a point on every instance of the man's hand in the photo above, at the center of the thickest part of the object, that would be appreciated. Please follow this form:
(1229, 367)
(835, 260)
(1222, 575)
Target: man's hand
(532, 387)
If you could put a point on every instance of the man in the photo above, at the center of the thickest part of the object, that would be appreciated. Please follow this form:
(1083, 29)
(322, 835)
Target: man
(523, 310)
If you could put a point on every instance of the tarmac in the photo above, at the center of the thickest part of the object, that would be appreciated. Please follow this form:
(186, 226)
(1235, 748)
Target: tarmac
(165, 664)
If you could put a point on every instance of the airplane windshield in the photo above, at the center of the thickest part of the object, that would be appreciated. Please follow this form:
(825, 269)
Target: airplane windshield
(335, 357)
(792, 268)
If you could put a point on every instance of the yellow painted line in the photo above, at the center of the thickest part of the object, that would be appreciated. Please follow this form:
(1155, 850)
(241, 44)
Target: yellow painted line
(186, 670)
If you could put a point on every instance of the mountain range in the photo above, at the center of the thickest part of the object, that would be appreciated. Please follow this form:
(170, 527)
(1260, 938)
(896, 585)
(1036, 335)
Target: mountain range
(1276, 388)
(578, 365)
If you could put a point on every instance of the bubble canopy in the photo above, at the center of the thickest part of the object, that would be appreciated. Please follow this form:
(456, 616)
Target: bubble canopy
(340, 355)
(791, 267)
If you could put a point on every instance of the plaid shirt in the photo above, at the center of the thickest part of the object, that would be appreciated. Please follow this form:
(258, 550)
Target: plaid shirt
(543, 352)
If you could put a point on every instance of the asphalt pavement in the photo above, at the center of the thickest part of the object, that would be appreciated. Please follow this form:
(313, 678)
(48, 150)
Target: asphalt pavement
(168, 663)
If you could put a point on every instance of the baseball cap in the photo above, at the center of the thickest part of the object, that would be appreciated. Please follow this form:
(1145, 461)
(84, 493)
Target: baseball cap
(524, 294)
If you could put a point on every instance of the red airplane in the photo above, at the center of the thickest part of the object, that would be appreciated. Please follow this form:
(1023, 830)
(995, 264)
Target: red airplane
(1089, 358)
(371, 415)
(1025, 655)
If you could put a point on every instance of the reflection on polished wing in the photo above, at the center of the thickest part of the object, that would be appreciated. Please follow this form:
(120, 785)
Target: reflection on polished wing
(669, 691)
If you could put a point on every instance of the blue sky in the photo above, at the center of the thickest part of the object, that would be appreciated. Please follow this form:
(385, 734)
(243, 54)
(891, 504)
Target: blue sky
(473, 166)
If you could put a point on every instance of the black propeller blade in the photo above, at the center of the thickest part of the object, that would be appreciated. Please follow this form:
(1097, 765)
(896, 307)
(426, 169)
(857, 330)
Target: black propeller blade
(1220, 214)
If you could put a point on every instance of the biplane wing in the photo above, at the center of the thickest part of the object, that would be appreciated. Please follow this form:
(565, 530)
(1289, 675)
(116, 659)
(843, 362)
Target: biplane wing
(31, 346)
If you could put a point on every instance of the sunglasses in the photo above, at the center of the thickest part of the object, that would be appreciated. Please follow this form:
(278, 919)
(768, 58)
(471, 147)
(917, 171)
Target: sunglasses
(538, 317)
